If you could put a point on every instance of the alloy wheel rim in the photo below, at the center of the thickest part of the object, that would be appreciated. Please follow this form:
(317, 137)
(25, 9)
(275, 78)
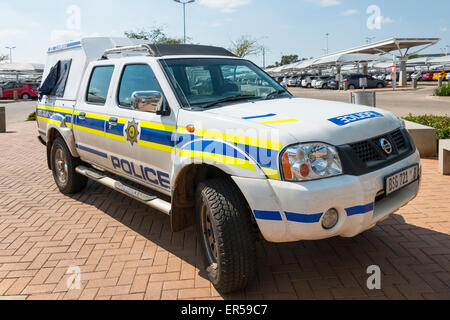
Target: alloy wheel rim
(61, 166)
(209, 239)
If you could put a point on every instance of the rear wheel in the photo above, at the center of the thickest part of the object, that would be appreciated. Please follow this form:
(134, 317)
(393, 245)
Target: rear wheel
(325, 86)
(226, 235)
(25, 96)
(380, 85)
(352, 87)
(63, 168)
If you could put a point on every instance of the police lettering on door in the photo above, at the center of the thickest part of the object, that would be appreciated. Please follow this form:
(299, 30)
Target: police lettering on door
(144, 173)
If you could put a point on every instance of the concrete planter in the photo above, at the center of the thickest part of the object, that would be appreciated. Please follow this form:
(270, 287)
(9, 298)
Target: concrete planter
(425, 138)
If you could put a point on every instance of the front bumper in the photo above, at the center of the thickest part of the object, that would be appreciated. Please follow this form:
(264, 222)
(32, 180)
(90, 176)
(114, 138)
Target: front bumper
(287, 211)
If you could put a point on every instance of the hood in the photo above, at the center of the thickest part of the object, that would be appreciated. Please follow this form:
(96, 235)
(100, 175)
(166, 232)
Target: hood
(299, 120)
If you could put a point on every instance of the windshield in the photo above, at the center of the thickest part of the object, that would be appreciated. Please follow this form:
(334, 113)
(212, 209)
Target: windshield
(202, 82)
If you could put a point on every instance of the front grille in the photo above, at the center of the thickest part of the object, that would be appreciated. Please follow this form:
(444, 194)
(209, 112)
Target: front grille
(366, 156)
(366, 151)
(398, 139)
(370, 150)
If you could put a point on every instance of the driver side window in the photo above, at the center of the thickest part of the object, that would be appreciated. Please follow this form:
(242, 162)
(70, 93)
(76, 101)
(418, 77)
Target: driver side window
(137, 77)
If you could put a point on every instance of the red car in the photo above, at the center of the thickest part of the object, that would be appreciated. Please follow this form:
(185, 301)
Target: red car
(24, 90)
(427, 77)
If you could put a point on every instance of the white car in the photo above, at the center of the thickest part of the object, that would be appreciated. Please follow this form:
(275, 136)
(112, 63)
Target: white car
(321, 82)
(307, 82)
(171, 127)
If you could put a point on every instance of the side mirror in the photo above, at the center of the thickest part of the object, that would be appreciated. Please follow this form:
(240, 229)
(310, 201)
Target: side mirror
(149, 101)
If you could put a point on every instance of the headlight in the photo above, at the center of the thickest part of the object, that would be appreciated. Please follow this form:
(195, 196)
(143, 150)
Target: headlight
(311, 161)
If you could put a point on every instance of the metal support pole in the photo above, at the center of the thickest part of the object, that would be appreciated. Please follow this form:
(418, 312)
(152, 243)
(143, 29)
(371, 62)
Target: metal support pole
(2, 119)
(184, 19)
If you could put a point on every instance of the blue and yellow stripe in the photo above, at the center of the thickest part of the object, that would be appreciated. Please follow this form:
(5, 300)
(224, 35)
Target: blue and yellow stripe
(230, 149)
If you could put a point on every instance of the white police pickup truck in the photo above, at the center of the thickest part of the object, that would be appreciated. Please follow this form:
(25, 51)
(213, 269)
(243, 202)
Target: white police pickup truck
(209, 138)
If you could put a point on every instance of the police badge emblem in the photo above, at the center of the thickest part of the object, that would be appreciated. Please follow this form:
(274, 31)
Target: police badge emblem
(132, 132)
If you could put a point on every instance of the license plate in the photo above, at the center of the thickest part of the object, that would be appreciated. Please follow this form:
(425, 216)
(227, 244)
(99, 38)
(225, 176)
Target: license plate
(401, 179)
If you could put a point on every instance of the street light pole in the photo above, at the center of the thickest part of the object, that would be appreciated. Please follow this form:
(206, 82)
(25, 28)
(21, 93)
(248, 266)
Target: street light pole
(10, 53)
(327, 34)
(184, 3)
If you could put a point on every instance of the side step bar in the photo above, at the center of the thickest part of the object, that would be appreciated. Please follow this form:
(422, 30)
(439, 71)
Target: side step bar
(141, 196)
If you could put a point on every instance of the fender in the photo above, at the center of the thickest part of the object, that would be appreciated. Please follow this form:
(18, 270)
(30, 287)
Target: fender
(234, 161)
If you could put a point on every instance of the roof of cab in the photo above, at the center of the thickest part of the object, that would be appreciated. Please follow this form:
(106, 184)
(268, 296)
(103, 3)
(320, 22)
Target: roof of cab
(163, 50)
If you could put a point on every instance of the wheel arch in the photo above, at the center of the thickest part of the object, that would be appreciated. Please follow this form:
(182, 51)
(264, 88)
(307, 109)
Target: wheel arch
(66, 134)
(184, 190)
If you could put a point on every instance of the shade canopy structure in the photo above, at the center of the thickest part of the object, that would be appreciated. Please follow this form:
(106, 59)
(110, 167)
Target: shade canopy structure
(445, 60)
(27, 71)
(419, 61)
(21, 68)
(394, 44)
(345, 58)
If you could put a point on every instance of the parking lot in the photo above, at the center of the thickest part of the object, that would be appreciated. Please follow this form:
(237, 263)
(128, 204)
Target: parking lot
(126, 251)
(401, 101)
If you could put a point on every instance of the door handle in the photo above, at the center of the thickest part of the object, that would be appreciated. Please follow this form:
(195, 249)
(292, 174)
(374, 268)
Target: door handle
(82, 115)
(113, 120)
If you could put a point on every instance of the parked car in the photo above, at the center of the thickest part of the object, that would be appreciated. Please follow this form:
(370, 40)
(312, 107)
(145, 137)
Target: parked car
(438, 75)
(427, 77)
(299, 81)
(333, 84)
(24, 90)
(354, 81)
(447, 77)
(417, 75)
(292, 81)
(307, 82)
(321, 82)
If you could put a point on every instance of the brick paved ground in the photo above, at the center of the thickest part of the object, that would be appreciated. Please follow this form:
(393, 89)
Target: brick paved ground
(126, 250)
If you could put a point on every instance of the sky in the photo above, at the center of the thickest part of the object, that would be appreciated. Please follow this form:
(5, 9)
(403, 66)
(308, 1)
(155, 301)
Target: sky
(284, 27)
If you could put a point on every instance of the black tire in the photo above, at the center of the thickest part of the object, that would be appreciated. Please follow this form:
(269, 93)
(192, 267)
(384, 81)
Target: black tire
(352, 87)
(231, 266)
(325, 86)
(309, 85)
(380, 85)
(26, 96)
(73, 182)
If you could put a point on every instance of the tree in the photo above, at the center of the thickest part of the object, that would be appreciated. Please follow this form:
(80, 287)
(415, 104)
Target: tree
(3, 57)
(155, 35)
(245, 46)
(289, 59)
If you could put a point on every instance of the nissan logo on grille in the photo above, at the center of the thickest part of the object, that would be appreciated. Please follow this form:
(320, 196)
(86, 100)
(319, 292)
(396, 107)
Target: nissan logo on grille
(386, 146)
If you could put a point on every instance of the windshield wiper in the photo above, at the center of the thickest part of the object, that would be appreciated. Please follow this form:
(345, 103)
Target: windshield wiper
(274, 94)
(229, 99)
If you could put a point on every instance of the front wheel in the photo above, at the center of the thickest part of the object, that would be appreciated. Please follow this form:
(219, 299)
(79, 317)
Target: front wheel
(226, 235)
(380, 85)
(26, 96)
(63, 168)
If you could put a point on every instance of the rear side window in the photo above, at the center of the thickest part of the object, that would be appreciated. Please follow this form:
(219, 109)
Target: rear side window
(136, 77)
(99, 85)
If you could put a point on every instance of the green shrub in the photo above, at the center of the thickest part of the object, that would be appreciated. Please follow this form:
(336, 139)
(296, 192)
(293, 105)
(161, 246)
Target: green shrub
(32, 117)
(443, 91)
(440, 123)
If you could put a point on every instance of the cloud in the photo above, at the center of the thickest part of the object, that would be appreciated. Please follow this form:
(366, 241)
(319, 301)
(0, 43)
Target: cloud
(444, 29)
(227, 6)
(349, 12)
(325, 3)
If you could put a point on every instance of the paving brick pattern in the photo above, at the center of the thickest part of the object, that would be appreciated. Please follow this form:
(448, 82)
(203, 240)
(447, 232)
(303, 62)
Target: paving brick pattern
(127, 251)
